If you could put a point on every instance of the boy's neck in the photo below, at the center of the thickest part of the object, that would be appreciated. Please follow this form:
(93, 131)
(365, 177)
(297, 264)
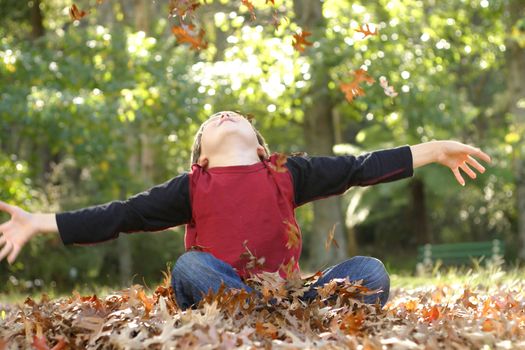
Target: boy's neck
(221, 160)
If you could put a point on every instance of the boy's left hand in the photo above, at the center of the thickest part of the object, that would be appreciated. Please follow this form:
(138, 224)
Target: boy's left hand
(457, 155)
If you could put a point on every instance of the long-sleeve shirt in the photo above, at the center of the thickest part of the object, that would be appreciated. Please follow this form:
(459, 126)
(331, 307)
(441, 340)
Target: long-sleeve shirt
(241, 214)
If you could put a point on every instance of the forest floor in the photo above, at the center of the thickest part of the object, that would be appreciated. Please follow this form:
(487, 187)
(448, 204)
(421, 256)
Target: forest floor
(458, 309)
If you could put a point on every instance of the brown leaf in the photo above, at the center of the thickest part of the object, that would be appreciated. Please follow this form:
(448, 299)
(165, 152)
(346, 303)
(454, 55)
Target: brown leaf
(353, 89)
(250, 7)
(280, 162)
(190, 37)
(75, 13)
(266, 329)
(331, 240)
(300, 41)
(294, 237)
(353, 323)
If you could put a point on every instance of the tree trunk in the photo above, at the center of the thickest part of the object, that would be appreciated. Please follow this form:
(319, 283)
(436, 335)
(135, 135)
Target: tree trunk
(319, 136)
(516, 89)
(419, 212)
(37, 20)
(142, 13)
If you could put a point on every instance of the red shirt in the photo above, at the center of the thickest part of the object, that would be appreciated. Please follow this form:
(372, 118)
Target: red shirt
(245, 213)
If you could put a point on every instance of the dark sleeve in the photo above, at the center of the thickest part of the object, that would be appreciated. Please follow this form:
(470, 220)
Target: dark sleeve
(158, 208)
(319, 177)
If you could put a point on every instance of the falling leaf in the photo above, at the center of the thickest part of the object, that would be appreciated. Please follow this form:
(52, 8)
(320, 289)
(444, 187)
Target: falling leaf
(276, 20)
(182, 8)
(75, 13)
(190, 37)
(280, 162)
(250, 7)
(300, 41)
(253, 261)
(294, 237)
(330, 239)
(353, 89)
(389, 90)
(365, 29)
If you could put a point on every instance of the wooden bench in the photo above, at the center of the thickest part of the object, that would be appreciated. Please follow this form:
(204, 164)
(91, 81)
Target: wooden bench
(460, 253)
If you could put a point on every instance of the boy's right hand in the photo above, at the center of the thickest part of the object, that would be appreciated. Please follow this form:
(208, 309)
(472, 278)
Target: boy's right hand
(16, 232)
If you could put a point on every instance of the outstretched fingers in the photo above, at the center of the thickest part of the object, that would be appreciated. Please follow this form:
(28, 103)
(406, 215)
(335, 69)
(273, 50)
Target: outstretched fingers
(475, 164)
(458, 176)
(467, 170)
(5, 250)
(14, 253)
(476, 152)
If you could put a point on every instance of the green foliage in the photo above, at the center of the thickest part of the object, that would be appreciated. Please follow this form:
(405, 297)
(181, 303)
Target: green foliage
(83, 107)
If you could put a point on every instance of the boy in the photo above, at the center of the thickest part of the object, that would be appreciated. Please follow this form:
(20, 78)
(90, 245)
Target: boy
(237, 198)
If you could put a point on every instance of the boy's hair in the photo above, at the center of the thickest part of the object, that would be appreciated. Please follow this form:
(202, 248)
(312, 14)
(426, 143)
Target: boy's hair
(196, 148)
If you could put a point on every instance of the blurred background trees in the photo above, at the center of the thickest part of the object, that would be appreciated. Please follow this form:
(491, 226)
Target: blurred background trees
(105, 107)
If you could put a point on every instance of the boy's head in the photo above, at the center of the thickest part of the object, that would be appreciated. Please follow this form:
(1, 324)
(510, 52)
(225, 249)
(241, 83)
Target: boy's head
(226, 133)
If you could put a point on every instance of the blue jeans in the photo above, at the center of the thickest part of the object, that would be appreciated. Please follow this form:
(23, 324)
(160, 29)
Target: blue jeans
(196, 272)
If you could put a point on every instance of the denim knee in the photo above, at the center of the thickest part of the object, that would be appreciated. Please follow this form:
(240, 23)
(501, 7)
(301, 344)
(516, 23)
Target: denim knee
(374, 275)
(188, 258)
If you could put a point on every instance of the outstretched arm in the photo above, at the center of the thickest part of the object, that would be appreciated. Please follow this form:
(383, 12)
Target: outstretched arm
(452, 154)
(158, 208)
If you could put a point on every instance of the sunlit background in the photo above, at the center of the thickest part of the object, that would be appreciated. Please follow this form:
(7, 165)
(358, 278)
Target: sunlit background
(105, 107)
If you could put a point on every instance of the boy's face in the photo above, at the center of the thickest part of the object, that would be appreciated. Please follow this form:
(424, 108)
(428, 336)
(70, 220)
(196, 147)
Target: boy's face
(227, 132)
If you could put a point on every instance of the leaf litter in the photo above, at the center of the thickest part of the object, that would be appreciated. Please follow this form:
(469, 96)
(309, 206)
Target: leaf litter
(274, 315)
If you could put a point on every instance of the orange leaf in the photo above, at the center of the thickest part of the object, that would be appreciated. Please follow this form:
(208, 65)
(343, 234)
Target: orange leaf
(353, 89)
(266, 329)
(183, 36)
(361, 75)
(280, 162)
(294, 237)
(365, 29)
(148, 304)
(250, 7)
(352, 324)
(75, 13)
(431, 314)
(289, 268)
(300, 40)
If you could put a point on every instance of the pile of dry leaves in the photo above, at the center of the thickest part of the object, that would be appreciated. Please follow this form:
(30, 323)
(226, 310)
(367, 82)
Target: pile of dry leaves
(451, 316)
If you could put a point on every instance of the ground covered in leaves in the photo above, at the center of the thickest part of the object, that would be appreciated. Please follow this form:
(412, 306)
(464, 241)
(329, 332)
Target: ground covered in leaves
(467, 315)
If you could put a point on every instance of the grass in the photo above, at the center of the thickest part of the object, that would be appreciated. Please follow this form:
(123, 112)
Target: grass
(475, 276)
